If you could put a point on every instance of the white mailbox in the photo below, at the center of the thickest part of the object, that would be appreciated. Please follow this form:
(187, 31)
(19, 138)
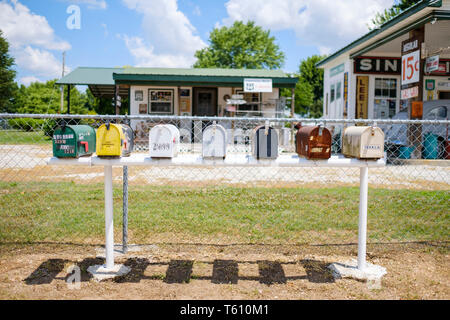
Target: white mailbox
(164, 141)
(214, 142)
(363, 142)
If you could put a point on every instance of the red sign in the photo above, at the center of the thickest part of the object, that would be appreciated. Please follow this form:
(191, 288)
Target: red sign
(410, 93)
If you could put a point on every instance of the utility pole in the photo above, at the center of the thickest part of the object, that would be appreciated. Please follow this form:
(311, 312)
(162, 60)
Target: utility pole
(62, 86)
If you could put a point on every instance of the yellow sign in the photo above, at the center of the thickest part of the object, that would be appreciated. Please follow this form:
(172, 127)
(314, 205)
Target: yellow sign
(362, 97)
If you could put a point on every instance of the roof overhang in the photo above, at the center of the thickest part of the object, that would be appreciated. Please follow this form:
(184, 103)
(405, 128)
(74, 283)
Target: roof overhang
(420, 14)
(197, 80)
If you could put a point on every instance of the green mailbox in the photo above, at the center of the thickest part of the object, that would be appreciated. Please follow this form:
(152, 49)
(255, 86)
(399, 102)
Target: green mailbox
(73, 141)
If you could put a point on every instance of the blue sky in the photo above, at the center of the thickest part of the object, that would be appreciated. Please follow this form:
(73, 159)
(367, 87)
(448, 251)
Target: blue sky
(166, 33)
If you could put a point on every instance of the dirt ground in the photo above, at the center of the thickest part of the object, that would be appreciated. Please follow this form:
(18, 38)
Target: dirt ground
(199, 271)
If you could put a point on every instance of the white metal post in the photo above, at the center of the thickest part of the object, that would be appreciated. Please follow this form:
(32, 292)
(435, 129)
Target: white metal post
(109, 225)
(362, 224)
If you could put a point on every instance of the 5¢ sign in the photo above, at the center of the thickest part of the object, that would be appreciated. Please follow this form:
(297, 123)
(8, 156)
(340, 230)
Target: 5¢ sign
(411, 67)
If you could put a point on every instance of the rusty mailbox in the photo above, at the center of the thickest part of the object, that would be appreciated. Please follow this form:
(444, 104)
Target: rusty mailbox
(73, 141)
(164, 141)
(114, 140)
(363, 142)
(265, 142)
(313, 142)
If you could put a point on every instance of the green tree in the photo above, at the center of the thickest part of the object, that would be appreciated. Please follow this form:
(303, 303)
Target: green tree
(398, 7)
(309, 88)
(240, 46)
(46, 98)
(8, 87)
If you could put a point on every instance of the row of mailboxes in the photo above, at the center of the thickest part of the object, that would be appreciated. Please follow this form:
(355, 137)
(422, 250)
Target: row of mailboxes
(311, 142)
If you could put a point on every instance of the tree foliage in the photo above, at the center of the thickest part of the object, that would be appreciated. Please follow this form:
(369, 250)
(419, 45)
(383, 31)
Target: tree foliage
(388, 14)
(309, 88)
(46, 98)
(240, 46)
(7, 85)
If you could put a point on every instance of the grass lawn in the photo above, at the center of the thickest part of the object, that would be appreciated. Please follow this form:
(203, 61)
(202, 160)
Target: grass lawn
(31, 212)
(23, 137)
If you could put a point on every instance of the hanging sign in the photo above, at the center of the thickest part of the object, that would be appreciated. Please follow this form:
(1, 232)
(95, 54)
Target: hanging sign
(432, 64)
(257, 85)
(410, 63)
(410, 93)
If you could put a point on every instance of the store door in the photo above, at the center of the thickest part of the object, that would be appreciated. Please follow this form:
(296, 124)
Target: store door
(204, 105)
(205, 102)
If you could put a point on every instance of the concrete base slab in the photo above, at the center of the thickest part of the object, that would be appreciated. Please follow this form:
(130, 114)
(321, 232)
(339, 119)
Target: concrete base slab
(100, 272)
(118, 250)
(349, 269)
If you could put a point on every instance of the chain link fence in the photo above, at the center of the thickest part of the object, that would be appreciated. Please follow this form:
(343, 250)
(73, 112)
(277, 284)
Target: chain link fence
(417, 153)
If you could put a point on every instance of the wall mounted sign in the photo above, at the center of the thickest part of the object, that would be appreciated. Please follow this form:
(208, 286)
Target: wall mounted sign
(416, 109)
(142, 108)
(432, 64)
(362, 97)
(257, 85)
(139, 95)
(345, 112)
(429, 84)
(185, 100)
(443, 68)
(410, 92)
(377, 65)
(337, 70)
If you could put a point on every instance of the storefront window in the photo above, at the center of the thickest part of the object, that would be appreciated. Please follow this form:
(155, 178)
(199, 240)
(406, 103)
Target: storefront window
(338, 91)
(253, 100)
(385, 103)
(160, 101)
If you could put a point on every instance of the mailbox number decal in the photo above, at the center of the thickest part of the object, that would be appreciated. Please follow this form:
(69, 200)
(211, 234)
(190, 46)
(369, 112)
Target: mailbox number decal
(161, 146)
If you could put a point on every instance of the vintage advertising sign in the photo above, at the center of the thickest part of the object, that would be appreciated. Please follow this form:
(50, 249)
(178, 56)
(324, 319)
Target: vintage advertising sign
(411, 68)
(410, 92)
(416, 109)
(257, 85)
(410, 63)
(377, 65)
(345, 112)
(432, 64)
(362, 97)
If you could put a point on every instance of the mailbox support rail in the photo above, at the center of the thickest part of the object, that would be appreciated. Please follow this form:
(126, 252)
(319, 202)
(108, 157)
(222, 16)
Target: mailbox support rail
(230, 160)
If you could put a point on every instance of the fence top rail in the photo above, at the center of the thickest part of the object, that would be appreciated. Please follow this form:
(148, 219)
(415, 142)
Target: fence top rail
(201, 118)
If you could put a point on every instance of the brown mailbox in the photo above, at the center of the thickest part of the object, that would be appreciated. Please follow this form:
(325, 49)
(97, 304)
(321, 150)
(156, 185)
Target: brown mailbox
(313, 142)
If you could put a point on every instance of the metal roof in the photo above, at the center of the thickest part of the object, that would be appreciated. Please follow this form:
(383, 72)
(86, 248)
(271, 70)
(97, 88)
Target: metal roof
(387, 25)
(101, 81)
(90, 76)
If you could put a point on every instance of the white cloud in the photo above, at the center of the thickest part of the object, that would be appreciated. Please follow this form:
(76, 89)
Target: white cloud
(169, 37)
(329, 25)
(40, 62)
(31, 41)
(28, 80)
(146, 57)
(22, 27)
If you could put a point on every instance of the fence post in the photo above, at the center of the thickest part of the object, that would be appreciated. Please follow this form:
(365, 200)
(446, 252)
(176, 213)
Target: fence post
(125, 210)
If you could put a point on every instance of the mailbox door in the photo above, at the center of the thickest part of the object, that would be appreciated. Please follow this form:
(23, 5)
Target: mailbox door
(319, 143)
(128, 140)
(372, 143)
(214, 142)
(65, 143)
(109, 141)
(86, 139)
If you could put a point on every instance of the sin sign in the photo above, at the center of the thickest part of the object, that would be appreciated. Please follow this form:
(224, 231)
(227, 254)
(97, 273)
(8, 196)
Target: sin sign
(411, 67)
